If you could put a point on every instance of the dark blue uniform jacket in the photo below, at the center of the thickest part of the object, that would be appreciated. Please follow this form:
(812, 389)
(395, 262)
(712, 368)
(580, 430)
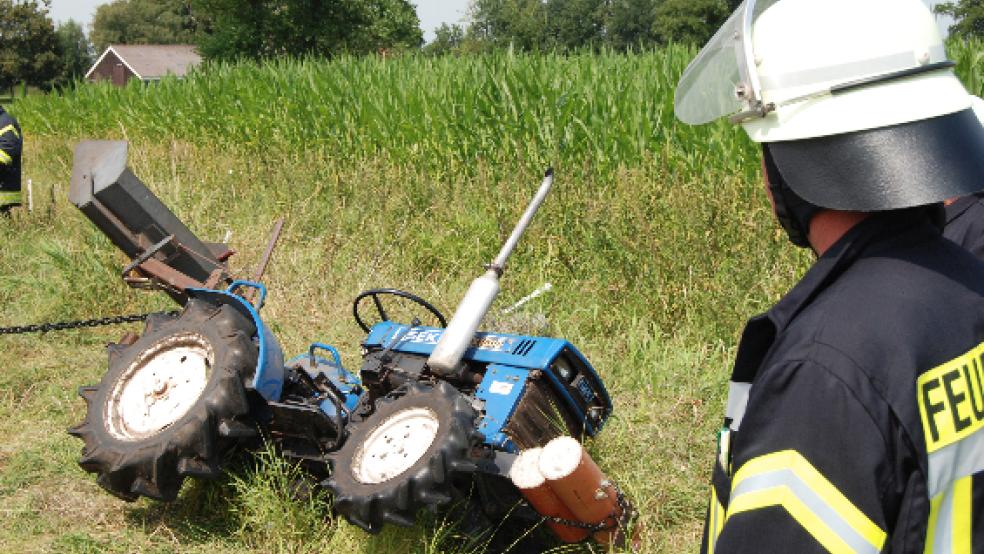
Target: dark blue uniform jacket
(855, 419)
(11, 145)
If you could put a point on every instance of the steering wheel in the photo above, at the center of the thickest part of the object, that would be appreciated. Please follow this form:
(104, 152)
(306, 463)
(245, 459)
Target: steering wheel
(376, 293)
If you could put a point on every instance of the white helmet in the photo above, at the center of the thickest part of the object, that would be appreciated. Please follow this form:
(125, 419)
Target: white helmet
(855, 98)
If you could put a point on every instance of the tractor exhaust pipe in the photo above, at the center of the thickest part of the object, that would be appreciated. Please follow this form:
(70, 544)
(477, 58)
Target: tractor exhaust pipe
(446, 358)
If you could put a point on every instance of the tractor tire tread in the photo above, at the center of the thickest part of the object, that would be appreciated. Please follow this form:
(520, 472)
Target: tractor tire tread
(425, 485)
(156, 466)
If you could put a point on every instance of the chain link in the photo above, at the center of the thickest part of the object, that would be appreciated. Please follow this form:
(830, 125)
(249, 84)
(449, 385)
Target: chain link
(611, 522)
(82, 324)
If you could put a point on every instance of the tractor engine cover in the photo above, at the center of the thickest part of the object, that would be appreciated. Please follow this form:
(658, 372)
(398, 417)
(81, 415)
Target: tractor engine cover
(530, 389)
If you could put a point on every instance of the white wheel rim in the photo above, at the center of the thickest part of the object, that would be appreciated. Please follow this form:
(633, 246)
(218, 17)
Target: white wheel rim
(395, 445)
(159, 387)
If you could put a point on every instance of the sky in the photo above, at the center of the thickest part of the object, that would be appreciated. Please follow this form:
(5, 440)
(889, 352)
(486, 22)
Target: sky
(432, 12)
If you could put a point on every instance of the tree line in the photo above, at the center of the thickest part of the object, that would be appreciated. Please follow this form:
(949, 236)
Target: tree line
(572, 25)
(36, 52)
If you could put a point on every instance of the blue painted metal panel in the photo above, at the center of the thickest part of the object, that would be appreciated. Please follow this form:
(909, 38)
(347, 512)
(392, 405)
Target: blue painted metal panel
(269, 377)
(502, 349)
(491, 348)
(501, 390)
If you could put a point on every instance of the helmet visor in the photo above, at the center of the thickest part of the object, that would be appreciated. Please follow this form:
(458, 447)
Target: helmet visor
(721, 81)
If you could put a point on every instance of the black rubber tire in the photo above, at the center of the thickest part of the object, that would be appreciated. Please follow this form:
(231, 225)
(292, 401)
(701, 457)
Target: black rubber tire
(193, 446)
(426, 484)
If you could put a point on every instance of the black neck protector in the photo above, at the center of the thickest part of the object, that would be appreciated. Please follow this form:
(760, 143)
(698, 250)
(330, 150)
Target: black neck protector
(793, 213)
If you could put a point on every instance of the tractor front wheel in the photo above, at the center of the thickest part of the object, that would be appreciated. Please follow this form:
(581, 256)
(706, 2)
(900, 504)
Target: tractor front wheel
(172, 403)
(403, 457)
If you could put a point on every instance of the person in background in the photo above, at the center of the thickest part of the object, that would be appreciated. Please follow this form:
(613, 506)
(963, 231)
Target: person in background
(855, 416)
(11, 147)
(965, 216)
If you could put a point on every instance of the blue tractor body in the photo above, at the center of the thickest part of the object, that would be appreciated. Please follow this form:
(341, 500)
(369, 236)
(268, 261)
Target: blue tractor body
(268, 380)
(507, 363)
(514, 370)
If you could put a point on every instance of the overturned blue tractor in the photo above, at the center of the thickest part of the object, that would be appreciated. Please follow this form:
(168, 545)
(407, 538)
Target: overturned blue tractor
(435, 415)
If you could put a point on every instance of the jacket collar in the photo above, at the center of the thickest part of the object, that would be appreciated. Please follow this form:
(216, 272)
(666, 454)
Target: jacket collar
(762, 330)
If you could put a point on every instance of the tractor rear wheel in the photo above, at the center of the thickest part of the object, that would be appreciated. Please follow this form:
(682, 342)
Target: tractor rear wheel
(403, 457)
(171, 404)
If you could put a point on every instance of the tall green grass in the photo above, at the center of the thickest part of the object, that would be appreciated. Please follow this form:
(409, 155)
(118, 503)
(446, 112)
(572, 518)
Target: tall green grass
(604, 110)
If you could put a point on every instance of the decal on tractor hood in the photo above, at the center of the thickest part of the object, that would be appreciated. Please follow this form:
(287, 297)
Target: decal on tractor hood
(494, 343)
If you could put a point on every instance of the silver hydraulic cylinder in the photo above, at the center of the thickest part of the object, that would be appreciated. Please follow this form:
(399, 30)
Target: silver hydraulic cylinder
(460, 334)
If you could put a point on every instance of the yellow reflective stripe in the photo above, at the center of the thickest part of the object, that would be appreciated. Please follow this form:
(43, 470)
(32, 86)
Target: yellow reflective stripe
(5, 158)
(963, 506)
(950, 527)
(9, 198)
(784, 498)
(712, 522)
(719, 519)
(781, 471)
(11, 129)
(715, 521)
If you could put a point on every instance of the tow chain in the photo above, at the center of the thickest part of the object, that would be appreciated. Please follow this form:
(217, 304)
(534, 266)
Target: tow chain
(82, 324)
(611, 522)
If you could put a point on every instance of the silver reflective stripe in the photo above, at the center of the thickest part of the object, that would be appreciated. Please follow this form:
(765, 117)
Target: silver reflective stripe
(850, 71)
(943, 536)
(961, 459)
(737, 403)
(806, 495)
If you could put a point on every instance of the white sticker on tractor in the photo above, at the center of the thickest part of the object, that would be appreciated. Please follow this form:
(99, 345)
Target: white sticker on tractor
(501, 387)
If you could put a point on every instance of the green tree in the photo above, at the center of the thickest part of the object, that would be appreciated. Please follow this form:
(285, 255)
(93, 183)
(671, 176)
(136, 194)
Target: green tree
(447, 39)
(567, 25)
(518, 23)
(29, 49)
(632, 24)
(266, 28)
(691, 21)
(76, 52)
(144, 22)
(574, 24)
(968, 16)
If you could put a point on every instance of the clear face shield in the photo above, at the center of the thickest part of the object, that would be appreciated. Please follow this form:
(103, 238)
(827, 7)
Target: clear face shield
(723, 80)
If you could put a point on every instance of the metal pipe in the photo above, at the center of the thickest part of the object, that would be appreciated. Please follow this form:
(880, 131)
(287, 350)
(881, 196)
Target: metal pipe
(524, 222)
(446, 357)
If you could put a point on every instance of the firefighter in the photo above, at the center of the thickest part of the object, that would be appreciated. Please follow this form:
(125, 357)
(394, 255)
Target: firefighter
(11, 145)
(965, 216)
(855, 419)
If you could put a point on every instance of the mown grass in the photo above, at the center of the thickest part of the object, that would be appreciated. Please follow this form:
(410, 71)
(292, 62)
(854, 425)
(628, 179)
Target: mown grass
(404, 173)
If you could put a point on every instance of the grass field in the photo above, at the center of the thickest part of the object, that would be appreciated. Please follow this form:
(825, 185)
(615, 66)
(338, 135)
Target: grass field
(405, 173)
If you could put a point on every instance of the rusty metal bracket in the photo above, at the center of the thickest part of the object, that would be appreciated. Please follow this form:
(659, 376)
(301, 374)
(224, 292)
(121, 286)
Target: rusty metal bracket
(146, 271)
(271, 244)
(278, 227)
